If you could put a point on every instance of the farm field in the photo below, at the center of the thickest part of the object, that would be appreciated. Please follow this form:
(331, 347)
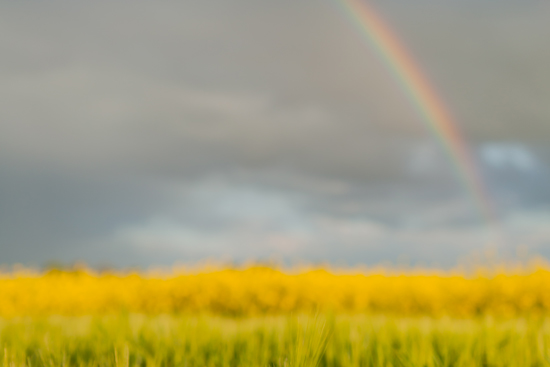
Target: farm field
(257, 291)
(138, 340)
(260, 316)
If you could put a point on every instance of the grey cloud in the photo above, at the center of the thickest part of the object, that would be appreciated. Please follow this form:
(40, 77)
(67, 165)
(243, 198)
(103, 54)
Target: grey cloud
(489, 59)
(45, 215)
(147, 131)
(81, 118)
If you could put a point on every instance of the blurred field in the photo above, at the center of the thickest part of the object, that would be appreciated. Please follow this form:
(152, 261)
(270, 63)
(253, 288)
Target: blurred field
(257, 291)
(274, 341)
(260, 316)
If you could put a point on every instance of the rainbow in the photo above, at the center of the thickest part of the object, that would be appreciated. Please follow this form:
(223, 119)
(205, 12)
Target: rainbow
(425, 99)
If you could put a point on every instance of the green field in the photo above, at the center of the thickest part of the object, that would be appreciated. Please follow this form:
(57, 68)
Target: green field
(134, 340)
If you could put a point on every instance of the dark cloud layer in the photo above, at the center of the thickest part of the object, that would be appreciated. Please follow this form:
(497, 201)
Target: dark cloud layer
(134, 133)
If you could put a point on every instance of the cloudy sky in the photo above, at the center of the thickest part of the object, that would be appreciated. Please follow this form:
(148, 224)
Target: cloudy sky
(139, 133)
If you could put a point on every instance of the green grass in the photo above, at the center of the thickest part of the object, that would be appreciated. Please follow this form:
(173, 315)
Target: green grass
(340, 341)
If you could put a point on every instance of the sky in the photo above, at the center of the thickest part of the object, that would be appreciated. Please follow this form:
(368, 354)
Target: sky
(152, 133)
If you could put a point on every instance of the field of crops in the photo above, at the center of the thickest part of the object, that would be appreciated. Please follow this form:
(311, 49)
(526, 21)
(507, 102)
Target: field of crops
(256, 291)
(259, 316)
(134, 340)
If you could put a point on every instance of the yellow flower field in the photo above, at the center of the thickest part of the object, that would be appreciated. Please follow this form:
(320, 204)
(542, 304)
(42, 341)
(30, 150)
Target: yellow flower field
(258, 290)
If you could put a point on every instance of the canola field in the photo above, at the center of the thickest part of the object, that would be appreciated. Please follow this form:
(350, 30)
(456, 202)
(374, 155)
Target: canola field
(256, 291)
(260, 316)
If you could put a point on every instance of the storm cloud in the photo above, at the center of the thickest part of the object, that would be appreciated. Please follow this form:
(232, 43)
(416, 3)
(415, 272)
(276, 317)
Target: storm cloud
(142, 133)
